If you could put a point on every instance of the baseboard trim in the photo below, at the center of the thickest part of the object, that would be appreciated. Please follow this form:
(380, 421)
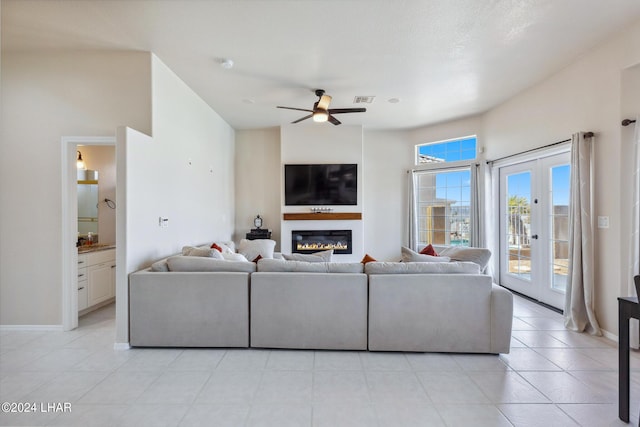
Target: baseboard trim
(121, 346)
(31, 328)
(609, 335)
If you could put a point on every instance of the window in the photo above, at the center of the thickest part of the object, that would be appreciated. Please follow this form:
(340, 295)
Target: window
(446, 151)
(443, 195)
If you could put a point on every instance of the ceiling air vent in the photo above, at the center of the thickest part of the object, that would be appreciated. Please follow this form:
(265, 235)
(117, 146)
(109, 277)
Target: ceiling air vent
(363, 99)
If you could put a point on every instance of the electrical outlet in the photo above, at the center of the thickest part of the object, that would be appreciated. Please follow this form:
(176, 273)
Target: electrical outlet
(603, 222)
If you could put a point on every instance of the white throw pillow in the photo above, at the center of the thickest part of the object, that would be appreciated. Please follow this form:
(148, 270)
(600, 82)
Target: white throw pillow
(227, 247)
(412, 256)
(480, 256)
(233, 257)
(324, 256)
(202, 252)
(251, 249)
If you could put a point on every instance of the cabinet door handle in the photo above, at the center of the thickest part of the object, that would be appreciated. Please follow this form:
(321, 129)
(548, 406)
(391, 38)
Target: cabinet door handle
(80, 275)
(81, 288)
(113, 266)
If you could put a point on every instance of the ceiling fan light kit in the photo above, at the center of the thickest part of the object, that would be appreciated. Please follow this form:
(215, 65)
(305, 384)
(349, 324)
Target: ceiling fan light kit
(321, 111)
(320, 116)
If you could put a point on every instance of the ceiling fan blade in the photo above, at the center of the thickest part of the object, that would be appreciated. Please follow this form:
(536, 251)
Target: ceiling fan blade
(347, 110)
(297, 109)
(303, 118)
(324, 101)
(334, 120)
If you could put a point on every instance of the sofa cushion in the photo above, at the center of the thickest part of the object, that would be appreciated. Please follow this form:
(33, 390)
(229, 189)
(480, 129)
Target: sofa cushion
(252, 248)
(201, 252)
(323, 256)
(228, 247)
(160, 266)
(274, 265)
(421, 268)
(191, 263)
(234, 257)
(480, 256)
(412, 256)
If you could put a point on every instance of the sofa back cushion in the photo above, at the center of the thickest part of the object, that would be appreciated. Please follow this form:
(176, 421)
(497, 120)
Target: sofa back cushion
(409, 255)
(480, 256)
(191, 263)
(160, 266)
(421, 268)
(201, 252)
(322, 256)
(274, 265)
(257, 249)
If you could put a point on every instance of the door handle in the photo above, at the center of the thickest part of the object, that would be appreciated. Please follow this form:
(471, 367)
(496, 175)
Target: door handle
(535, 236)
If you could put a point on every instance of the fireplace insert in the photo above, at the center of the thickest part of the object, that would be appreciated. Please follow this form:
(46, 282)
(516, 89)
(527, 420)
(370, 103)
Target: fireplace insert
(309, 241)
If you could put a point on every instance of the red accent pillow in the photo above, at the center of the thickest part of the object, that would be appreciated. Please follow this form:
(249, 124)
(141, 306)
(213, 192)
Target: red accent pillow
(216, 247)
(428, 250)
(368, 258)
(258, 258)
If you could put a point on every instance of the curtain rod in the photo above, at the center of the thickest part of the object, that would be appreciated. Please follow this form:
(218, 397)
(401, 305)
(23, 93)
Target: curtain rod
(586, 135)
(627, 122)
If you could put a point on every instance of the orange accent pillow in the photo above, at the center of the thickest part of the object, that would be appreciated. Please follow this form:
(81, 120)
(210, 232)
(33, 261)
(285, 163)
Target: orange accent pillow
(216, 247)
(368, 258)
(428, 250)
(256, 259)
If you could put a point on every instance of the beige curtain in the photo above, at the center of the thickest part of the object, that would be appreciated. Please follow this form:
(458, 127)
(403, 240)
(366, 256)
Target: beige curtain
(413, 210)
(579, 313)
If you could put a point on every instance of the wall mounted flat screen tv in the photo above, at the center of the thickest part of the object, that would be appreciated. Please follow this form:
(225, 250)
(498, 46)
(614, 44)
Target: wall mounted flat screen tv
(321, 184)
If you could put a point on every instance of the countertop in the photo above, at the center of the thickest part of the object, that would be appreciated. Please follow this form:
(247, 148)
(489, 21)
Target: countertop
(94, 248)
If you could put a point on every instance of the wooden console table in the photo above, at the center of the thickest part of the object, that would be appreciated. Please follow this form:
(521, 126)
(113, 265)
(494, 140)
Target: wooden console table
(628, 308)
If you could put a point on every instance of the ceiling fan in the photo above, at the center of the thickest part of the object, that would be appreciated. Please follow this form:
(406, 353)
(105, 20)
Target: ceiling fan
(321, 111)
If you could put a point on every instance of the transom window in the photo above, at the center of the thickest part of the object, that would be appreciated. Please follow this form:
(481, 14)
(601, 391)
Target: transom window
(452, 150)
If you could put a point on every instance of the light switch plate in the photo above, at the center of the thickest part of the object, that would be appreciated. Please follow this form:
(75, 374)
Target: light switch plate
(603, 222)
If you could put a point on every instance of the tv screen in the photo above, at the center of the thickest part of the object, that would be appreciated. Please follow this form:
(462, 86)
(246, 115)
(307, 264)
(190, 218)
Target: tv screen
(321, 184)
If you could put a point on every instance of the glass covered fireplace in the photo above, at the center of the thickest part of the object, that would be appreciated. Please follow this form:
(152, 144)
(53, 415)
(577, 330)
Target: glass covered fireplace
(309, 241)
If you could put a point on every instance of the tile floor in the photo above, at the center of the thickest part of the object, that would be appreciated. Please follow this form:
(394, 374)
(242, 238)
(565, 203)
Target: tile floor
(552, 377)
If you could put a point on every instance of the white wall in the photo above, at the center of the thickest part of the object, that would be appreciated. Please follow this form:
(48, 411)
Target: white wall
(46, 96)
(323, 143)
(103, 159)
(585, 96)
(184, 172)
(257, 178)
(387, 158)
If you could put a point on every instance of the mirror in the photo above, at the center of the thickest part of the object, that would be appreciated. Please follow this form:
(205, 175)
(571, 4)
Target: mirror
(88, 208)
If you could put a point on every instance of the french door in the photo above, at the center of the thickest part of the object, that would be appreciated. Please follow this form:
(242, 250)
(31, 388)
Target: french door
(534, 228)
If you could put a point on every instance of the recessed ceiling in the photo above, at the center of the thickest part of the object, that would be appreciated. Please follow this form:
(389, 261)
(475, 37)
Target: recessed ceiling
(444, 59)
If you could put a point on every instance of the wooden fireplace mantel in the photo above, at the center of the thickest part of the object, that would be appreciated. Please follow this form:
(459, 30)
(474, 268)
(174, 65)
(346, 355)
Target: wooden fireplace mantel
(322, 216)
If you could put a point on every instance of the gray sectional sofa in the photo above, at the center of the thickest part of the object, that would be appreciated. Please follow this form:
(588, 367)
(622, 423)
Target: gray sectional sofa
(309, 305)
(437, 307)
(421, 307)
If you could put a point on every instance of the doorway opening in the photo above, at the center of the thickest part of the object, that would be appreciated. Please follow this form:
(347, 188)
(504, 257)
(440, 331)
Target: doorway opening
(70, 228)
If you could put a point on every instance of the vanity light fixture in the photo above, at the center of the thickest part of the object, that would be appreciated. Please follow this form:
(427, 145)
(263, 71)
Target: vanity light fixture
(80, 163)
